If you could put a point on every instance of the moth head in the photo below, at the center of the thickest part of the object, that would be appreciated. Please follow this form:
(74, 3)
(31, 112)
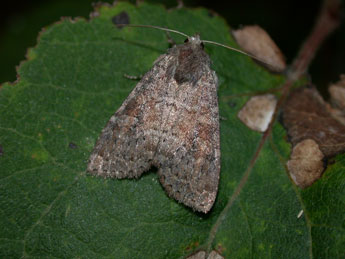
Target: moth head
(195, 40)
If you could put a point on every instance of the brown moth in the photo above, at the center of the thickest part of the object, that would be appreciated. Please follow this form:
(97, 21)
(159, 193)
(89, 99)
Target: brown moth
(170, 121)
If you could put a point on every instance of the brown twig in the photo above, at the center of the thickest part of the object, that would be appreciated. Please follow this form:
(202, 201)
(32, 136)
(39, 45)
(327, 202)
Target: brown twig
(327, 21)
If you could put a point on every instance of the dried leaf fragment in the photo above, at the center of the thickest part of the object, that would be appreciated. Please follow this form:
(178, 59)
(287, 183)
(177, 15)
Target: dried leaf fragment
(198, 255)
(120, 19)
(214, 255)
(305, 116)
(258, 111)
(337, 93)
(306, 163)
(256, 41)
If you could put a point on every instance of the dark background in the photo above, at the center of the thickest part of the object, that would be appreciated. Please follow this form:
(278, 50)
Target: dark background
(288, 23)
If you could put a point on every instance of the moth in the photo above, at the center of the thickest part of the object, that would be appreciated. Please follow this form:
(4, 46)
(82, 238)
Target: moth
(169, 121)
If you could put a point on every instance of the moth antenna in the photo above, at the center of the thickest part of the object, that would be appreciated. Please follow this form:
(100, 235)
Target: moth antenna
(239, 51)
(154, 27)
(204, 41)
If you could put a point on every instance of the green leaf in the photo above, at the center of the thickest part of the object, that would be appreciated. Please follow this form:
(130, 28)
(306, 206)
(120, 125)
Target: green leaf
(50, 119)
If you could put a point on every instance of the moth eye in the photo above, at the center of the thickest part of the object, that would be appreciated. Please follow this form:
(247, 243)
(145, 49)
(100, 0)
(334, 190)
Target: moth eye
(202, 45)
(186, 40)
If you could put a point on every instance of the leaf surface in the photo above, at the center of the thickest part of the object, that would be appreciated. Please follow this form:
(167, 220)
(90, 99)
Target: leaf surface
(50, 119)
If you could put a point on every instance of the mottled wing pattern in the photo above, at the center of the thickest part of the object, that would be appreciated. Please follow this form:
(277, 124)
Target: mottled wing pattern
(170, 121)
(188, 154)
(128, 143)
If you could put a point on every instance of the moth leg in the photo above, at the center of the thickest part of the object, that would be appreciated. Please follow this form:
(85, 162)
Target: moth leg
(171, 41)
(139, 77)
